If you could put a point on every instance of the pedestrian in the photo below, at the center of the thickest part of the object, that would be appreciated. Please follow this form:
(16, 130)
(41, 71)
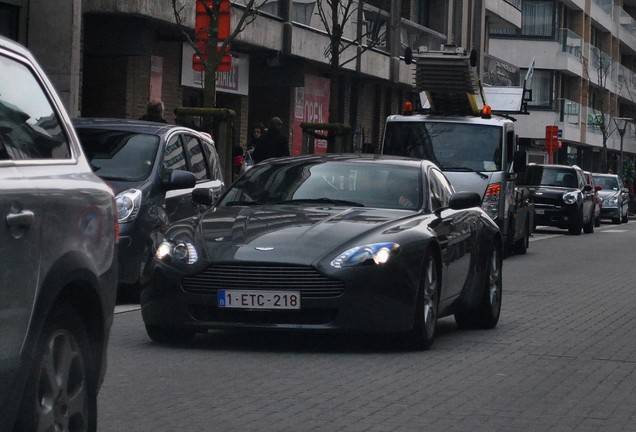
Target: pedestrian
(257, 135)
(273, 143)
(238, 161)
(154, 111)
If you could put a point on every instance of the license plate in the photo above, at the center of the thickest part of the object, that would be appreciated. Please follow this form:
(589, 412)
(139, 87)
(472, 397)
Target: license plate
(256, 299)
(539, 211)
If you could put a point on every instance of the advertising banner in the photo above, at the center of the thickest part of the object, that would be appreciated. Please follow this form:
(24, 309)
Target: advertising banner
(311, 106)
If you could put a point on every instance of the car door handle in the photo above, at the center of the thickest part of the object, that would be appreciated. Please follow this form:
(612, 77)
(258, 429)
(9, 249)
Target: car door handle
(24, 218)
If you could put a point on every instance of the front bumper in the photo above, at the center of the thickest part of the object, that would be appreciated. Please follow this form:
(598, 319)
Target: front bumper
(366, 298)
(554, 215)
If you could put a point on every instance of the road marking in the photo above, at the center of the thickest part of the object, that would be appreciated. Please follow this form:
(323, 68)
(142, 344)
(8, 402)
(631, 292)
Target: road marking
(614, 230)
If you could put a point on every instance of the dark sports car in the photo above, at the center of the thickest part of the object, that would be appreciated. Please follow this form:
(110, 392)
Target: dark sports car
(330, 242)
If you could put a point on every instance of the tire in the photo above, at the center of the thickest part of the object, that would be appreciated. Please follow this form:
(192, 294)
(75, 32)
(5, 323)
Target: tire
(576, 227)
(169, 336)
(588, 228)
(486, 314)
(426, 309)
(61, 390)
(521, 245)
(624, 219)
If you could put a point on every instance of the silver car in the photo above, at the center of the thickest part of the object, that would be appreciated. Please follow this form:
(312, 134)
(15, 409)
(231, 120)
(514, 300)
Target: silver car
(615, 197)
(58, 252)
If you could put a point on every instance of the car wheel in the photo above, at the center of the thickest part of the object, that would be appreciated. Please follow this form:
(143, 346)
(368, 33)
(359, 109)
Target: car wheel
(168, 335)
(577, 224)
(423, 332)
(521, 245)
(588, 228)
(486, 314)
(60, 393)
(624, 219)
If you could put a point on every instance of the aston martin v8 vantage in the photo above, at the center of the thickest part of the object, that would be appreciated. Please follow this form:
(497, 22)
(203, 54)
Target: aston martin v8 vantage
(354, 243)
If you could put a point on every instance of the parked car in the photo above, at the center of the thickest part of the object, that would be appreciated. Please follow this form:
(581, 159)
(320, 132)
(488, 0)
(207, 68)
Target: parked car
(331, 242)
(562, 197)
(153, 168)
(598, 201)
(58, 252)
(615, 197)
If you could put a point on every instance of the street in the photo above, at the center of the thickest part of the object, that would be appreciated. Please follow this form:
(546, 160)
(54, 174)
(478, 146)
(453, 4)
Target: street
(562, 358)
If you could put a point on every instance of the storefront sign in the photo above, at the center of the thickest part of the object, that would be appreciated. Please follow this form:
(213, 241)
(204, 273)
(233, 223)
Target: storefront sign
(312, 106)
(236, 80)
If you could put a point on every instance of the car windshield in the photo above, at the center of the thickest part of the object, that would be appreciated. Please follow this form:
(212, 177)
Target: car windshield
(452, 146)
(550, 176)
(119, 155)
(607, 182)
(334, 183)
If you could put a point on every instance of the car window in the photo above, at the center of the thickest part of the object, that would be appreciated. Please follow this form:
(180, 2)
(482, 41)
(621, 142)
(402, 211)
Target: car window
(174, 156)
(119, 155)
(440, 189)
(607, 182)
(329, 182)
(29, 126)
(196, 158)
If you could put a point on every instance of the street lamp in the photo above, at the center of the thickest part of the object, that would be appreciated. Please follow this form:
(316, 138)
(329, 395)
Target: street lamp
(621, 125)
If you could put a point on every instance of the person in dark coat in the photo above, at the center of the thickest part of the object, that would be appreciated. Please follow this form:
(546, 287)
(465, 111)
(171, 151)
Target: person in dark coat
(154, 112)
(273, 143)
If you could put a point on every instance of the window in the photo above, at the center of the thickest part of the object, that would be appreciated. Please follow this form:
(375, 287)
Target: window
(303, 10)
(174, 157)
(541, 87)
(537, 20)
(196, 158)
(29, 127)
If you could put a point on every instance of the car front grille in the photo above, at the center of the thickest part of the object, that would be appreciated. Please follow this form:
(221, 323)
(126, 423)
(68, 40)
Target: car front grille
(307, 280)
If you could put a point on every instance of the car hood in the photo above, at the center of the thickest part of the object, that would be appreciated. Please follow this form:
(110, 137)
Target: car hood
(548, 193)
(469, 181)
(292, 234)
(607, 194)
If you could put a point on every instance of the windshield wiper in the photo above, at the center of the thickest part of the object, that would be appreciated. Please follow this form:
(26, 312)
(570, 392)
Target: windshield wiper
(462, 168)
(323, 200)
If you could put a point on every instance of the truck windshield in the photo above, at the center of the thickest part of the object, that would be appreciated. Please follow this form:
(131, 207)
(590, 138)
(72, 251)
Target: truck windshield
(452, 146)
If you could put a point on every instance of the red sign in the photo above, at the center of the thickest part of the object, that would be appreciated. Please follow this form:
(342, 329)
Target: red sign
(202, 32)
(312, 106)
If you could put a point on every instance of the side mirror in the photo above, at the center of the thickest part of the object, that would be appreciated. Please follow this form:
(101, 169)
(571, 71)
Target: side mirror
(207, 195)
(180, 179)
(625, 190)
(464, 200)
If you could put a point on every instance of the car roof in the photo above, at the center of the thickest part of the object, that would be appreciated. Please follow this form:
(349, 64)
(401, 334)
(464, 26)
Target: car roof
(123, 125)
(358, 158)
(604, 175)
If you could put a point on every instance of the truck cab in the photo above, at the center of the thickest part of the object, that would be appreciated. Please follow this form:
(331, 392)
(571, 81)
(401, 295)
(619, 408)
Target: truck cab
(476, 149)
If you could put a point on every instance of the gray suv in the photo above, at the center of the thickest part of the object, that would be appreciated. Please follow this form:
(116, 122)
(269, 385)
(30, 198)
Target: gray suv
(58, 252)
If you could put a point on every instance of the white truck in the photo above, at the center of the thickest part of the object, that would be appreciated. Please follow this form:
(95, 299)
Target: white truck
(472, 141)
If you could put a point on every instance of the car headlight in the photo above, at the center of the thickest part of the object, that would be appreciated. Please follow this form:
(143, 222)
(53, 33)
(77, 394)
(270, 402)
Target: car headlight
(613, 201)
(570, 197)
(128, 205)
(177, 251)
(379, 253)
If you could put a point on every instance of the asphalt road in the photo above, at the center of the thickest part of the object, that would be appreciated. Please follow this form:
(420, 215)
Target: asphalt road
(563, 358)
